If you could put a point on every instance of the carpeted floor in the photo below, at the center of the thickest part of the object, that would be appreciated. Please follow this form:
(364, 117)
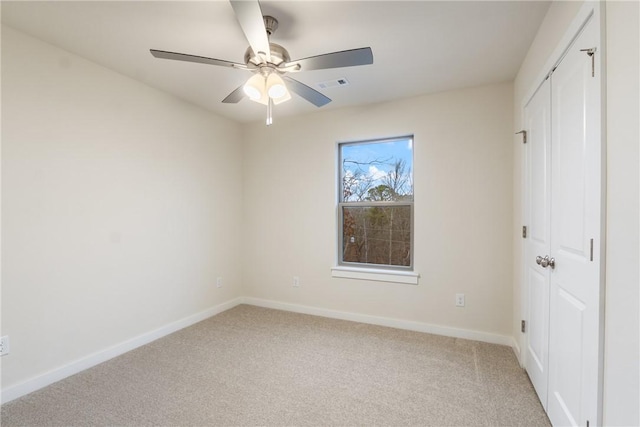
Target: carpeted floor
(256, 366)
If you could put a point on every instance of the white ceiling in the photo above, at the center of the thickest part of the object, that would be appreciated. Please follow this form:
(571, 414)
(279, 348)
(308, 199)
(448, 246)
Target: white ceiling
(418, 47)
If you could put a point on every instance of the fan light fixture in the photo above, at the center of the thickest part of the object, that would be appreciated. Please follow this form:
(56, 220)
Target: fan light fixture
(268, 90)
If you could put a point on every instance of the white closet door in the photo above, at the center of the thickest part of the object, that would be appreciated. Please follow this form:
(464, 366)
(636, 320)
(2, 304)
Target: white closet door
(538, 212)
(575, 224)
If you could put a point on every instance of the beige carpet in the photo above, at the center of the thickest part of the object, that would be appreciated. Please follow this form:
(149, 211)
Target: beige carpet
(256, 366)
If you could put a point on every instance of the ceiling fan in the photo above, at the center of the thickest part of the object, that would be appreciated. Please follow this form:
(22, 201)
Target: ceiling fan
(270, 63)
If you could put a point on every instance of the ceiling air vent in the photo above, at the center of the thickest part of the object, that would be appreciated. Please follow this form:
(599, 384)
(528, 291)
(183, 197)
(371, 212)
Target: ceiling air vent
(333, 83)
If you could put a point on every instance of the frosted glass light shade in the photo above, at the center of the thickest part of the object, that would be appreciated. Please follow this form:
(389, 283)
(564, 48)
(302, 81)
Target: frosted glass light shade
(286, 97)
(275, 86)
(254, 88)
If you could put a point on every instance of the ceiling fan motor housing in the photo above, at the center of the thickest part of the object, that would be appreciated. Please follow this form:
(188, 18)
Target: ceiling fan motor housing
(278, 55)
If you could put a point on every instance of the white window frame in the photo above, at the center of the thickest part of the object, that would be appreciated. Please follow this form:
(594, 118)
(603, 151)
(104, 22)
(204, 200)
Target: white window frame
(366, 271)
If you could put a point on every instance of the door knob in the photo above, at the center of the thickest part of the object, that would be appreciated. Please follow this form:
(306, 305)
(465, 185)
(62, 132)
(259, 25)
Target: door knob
(546, 261)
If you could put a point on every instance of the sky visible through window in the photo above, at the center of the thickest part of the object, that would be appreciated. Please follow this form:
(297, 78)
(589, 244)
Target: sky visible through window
(368, 166)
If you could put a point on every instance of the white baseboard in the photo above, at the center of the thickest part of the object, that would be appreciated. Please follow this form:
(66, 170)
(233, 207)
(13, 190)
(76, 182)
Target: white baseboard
(385, 321)
(36, 383)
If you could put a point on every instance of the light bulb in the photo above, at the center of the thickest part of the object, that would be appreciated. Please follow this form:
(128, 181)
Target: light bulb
(275, 86)
(254, 87)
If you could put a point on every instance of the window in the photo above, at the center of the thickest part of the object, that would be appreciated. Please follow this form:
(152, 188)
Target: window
(375, 206)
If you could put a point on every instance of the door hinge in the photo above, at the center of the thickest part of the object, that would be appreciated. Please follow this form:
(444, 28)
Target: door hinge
(591, 251)
(551, 72)
(524, 136)
(524, 231)
(523, 326)
(591, 52)
(587, 423)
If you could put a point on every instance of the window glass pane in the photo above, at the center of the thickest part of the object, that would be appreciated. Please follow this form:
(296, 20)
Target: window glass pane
(377, 171)
(377, 234)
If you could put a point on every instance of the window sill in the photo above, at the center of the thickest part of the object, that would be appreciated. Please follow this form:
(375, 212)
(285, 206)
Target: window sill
(379, 275)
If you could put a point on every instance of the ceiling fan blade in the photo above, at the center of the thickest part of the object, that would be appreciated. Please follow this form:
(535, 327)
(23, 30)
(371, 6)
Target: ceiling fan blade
(249, 16)
(345, 58)
(310, 94)
(235, 96)
(193, 58)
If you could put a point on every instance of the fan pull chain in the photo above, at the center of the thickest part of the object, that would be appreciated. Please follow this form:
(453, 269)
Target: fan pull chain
(270, 112)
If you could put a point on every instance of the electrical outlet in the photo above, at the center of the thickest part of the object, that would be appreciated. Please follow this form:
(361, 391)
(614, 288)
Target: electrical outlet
(4, 345)
(219, 282)
(296, 282)
(459, 300)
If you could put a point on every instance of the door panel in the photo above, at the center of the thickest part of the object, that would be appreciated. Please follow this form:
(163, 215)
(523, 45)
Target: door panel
(538, 324)
(537, 216)
(574, 309)
(569, 323)
(570, 153)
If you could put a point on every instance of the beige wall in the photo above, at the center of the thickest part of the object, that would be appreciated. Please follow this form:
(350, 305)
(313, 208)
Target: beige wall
(622, 354)
(120, 207)
(463, 198)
